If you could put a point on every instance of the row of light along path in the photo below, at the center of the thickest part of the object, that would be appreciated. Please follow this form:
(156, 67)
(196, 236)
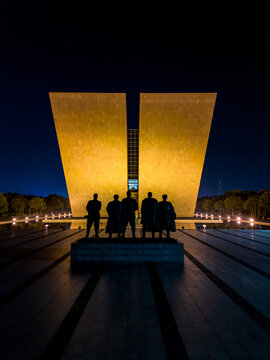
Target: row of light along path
(28, 219)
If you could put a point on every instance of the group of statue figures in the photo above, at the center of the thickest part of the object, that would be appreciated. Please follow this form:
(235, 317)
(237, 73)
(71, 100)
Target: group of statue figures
(155, 216)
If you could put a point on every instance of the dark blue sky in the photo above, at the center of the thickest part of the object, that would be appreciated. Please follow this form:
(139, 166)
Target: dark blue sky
(151, 48)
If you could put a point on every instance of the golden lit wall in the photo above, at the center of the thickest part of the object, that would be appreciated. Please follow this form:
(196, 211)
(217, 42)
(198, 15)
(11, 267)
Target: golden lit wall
(92, 136)
(174, 130)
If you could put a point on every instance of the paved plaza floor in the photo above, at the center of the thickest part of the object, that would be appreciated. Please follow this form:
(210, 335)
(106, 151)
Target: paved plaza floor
(214, 306)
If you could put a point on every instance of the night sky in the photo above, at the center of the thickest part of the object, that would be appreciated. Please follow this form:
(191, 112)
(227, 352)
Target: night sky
(133, 48)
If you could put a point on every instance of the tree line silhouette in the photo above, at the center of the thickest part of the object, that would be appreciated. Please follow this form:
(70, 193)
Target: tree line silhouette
(18, 204)
(250, 203)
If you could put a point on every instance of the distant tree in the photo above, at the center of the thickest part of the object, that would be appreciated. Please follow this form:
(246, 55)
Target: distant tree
(253, 206)
(3, 204)
(243, 194)
(265, 202)
(38, 204)
(65, 202)
(234, 203)
(18, 205)
(54, 203)
(208, 204)
(219, 206)
(199, 207)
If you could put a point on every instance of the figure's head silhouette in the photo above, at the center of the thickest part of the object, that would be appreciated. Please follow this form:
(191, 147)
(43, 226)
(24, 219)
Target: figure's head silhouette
(116, 197)
(95, 196)
(149, 194)
(164, 197)
(128, 193)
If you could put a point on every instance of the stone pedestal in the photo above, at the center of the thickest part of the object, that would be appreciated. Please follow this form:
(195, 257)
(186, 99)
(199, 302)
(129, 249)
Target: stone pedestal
(126, 250)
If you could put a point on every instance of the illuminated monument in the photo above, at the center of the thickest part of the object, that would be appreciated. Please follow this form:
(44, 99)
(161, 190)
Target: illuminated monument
(174, 131)
(173, 135)
(92, 136)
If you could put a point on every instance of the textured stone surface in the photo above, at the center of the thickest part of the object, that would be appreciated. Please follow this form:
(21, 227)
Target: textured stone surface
(174, 130)
(92, 136)
(127, 250)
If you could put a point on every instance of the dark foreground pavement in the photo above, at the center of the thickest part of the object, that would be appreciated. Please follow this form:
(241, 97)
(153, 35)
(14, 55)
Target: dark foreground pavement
(215, 306)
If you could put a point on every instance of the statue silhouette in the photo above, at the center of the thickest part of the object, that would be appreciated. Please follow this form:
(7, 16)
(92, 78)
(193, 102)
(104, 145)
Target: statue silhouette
(167, 216)
(115, 220)
(93, 208)
(130, 205)
(150, 215)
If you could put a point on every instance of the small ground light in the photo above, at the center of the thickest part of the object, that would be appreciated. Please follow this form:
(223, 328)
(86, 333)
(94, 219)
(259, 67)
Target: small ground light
(52, 216)
(201, 215)
(238, 222)
(26, 219)
(206, 216)
(14, 223)
(212, 217)
(204, 227)
(252, 224)
(59, 215)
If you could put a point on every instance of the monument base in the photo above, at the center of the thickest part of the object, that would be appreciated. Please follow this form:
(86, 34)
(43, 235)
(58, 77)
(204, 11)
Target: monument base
(126, 250)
